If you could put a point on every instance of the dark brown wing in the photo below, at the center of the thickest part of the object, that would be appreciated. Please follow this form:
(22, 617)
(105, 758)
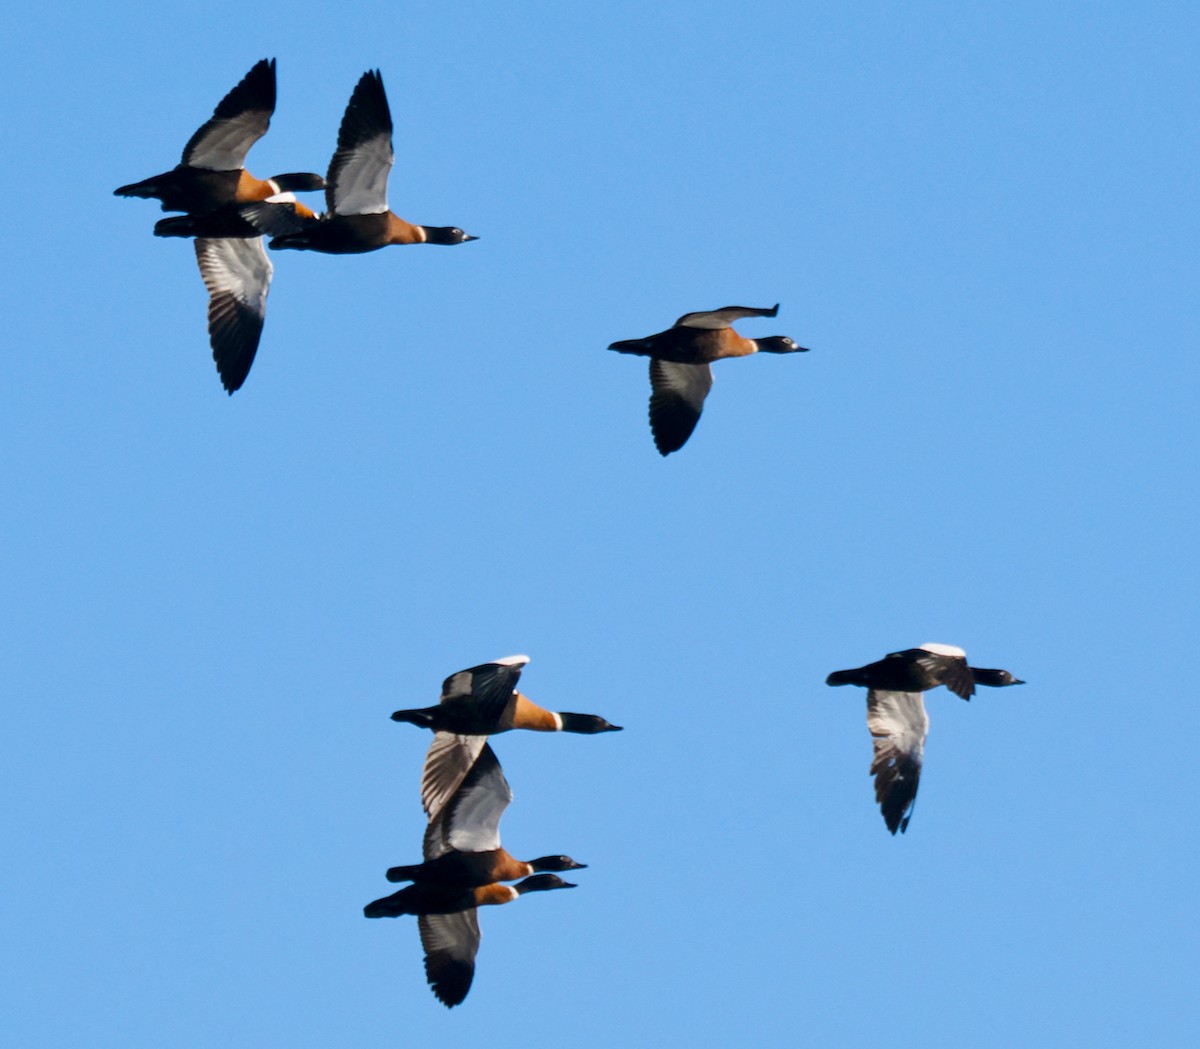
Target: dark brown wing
(487, 687)
(723, 317)
(451, 942)
(676, 401)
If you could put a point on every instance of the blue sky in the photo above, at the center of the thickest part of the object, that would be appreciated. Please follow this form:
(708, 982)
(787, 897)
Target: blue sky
(981, 218)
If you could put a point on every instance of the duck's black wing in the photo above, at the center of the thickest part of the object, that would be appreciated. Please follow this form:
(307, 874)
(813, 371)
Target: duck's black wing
(356, 183)
(677, 393)
(242, 118)
(451, 942)
(724, 317)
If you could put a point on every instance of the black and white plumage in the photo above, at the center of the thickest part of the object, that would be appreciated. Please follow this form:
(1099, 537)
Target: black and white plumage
(897, 720)
(237, 274)
(469, 822)
(490, 687)
(898, 725)
(463, 862)
(357, 217)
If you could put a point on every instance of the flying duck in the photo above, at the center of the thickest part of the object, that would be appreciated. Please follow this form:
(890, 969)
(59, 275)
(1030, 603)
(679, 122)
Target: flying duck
(237, 274)
(449, 925)
(897, 720)
(462, 842)
(210, 184)
(211, 180)
(357, 217)
(680, 376)
(483, 701)
(463, 855)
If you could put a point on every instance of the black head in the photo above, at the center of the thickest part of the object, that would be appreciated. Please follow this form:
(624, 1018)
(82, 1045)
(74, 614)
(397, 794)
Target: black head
(446, 235)
(299, 182)
(995, 678)
(586, 724)
(779, 344)
(556, 863)
(542, 882)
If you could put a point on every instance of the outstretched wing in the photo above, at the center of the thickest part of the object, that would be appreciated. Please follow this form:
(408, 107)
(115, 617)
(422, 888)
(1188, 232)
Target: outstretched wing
(487, 687)
(470, 820)
(723, 317)
(237, 273)
(898, 724)
(451, 942)
(358, 173)
(676, 401)
(237, 123)
(447, 763)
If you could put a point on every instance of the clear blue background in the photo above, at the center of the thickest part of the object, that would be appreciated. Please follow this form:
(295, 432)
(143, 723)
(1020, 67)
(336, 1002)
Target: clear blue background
(983, 220)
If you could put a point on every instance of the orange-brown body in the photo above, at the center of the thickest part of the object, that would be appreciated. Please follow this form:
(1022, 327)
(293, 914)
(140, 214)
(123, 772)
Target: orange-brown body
(688, 345)
(522, 712)
(352, 234)
(466, 870)
(198, 190)
(489, 895)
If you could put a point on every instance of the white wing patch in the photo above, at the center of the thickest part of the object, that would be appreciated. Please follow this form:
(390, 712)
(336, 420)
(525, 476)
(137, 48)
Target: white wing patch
(359, 183)
(225, 143)
(511, 661)
(944, 650)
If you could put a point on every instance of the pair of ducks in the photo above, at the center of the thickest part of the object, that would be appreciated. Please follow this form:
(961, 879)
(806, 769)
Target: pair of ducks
(464, 793)
(228, 210)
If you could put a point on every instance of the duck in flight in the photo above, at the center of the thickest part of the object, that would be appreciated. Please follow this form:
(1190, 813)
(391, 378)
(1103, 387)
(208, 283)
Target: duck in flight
(897, 720)
(357, 217)
(680, 376)
(463, 864)
(476, 703)
(210, 184)
(211, 181)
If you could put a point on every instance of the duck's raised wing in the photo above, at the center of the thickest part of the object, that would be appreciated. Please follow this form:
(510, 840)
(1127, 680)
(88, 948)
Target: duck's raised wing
(358, 173)
(237, 123)
(723, 317)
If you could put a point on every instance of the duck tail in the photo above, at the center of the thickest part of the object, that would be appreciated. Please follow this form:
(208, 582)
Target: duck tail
(291, 240)
(177, 226)
(148, 188)
(845, 677)
(388, 907)
(641, 347)
(402, 873)
(421, 718)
